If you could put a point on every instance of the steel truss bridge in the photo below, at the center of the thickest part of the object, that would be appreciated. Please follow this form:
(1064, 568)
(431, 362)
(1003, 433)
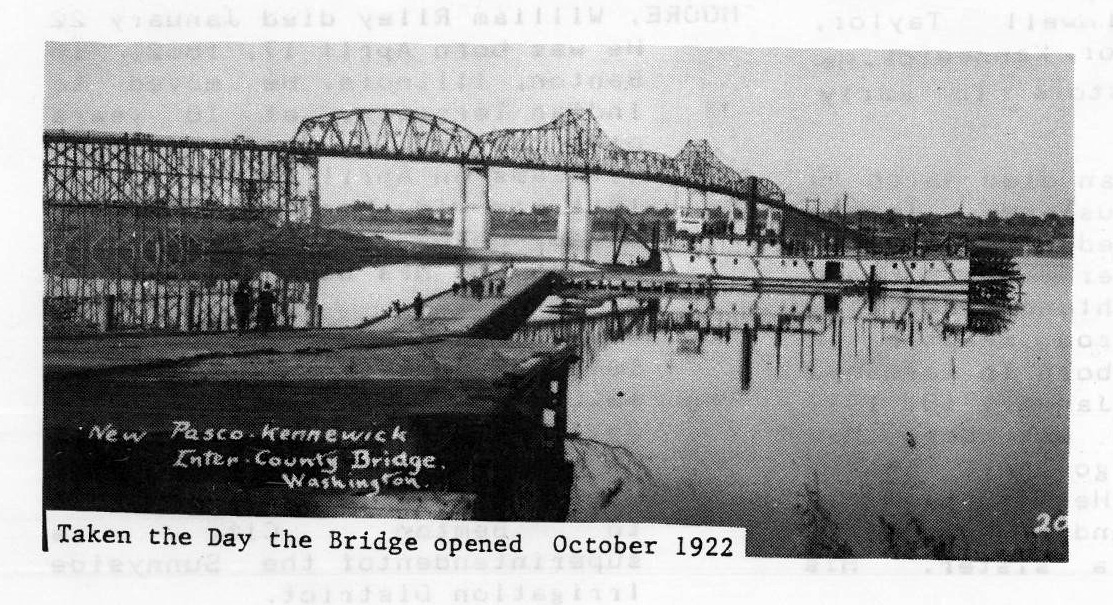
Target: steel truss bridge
(139, 197)
(99, 169)
(574, 142)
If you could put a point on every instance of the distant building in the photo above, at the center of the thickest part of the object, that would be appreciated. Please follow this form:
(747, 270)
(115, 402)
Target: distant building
(1061, 246)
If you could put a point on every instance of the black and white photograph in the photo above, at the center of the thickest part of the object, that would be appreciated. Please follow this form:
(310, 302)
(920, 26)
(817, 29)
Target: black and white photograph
(824, 295)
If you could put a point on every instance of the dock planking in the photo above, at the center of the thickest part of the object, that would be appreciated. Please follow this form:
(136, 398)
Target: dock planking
(449, 376)
(111, 353)
(467, 314)
(476, 406)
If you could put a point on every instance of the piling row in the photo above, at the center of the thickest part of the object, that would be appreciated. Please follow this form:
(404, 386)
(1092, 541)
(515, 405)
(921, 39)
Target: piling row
(639, 285)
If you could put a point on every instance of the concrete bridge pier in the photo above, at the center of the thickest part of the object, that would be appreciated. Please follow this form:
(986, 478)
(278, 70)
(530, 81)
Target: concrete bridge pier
(471, 223)
(574, 218)
(310, 167)
(697, 198)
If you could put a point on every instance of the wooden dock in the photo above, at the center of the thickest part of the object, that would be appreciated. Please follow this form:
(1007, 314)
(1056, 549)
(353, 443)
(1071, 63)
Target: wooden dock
(447, 315)
(490, 314)
(489, 411)
(485, 410)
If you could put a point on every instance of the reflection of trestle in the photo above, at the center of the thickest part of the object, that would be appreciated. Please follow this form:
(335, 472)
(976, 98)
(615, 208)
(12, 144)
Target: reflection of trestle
(153, 278)
(135, 241)
(124, 304)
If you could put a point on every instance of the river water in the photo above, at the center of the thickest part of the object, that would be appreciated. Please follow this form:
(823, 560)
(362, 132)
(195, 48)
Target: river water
(849, 422)
(884, 428)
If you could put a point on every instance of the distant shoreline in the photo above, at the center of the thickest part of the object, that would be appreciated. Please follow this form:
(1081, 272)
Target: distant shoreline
(445, 231)
(438, 230)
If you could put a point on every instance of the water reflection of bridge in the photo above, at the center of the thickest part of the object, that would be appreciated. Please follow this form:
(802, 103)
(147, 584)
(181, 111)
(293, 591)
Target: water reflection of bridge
(742, 316)
(82, 306)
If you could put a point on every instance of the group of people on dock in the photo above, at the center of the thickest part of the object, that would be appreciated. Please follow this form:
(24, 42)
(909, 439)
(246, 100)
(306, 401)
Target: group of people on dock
(249, 305)
(477, 287)
(245, 301)
(396, 307)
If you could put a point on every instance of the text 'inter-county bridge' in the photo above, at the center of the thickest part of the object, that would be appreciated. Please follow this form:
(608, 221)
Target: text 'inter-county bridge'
(245, 177)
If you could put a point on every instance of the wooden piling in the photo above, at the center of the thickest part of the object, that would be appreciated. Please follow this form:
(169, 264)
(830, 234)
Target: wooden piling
(747, 356)
(191, 303)
(110, 313)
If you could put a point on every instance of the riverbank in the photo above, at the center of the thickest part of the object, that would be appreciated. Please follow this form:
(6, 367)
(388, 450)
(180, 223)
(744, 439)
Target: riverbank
(342, 246)
(435, 229)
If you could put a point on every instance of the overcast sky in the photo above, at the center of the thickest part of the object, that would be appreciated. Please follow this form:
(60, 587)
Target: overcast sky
(916, 132)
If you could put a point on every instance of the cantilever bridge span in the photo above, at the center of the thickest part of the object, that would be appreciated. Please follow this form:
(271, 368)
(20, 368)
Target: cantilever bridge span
(573, 143)
(120, 170)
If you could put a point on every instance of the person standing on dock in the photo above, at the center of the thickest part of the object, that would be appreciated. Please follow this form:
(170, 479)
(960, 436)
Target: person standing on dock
(264, 309)
(241, 303)
(419, 306)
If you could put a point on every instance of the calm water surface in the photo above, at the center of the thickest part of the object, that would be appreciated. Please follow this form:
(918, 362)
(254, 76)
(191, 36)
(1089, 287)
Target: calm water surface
(965, 432)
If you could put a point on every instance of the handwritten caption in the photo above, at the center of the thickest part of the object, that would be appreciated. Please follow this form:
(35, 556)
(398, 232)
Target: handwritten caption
(365, 460)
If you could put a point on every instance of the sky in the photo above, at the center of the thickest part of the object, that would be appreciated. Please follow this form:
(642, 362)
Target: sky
(912, 131)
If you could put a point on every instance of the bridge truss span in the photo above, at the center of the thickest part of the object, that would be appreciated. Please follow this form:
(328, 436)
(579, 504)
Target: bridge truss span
(390, 134)
(572, 142)
(575, 141)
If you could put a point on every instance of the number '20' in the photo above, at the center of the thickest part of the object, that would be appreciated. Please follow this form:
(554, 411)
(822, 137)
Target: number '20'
(1044, 524)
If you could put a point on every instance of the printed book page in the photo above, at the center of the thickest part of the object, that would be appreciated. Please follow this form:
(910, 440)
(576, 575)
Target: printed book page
(557, 302)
